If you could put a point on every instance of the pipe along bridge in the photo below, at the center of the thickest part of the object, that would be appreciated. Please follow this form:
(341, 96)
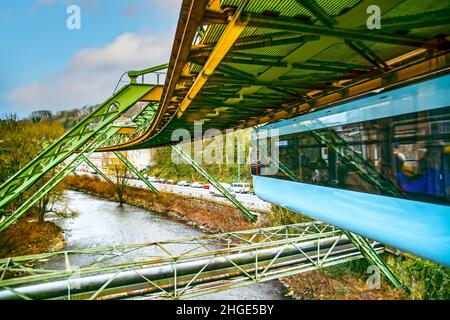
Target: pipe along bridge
(178, 269)
(232, 65)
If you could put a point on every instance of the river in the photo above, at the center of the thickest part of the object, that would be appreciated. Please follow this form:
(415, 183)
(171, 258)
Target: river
(99, 222)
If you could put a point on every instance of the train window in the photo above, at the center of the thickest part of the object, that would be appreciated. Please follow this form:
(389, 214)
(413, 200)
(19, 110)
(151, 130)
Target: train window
(406, 156)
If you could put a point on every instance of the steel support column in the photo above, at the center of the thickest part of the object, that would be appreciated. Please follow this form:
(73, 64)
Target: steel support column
(372, 256)
(71, 142)
(135, 171)
(179, 150)
(178, 269)
(87, 150)
(231, 33)
(100, 172)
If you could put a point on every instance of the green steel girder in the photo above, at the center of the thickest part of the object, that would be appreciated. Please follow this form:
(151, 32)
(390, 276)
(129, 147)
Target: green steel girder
(142, 121)
(363, 245)
(356, 45)
(70, 142)
(257, 42)
(372, 256)
(328, 66)
(364, 51)
(135, 171)
(94, 167)
(197, 266)
(134, 74)
(185, 156)
(429, 19)
(269, 84)
(318, 12)
(85, 151)
(293, 25)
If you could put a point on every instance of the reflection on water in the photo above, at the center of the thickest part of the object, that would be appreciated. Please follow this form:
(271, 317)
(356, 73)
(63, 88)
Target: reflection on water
(103, 223)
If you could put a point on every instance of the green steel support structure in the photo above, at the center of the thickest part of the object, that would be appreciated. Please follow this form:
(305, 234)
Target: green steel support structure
(66, 169)
(186, 157)
(298, 57)
(99, 172)
(135, 171)
(134, 74)
(372, 256)
(71, 142)
(178, 269)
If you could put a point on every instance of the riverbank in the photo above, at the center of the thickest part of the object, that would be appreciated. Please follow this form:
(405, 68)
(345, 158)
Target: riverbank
(206, 215)
(340, 282)
(30, 236)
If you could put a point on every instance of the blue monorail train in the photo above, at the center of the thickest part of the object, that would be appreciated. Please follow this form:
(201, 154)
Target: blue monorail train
(378, 166)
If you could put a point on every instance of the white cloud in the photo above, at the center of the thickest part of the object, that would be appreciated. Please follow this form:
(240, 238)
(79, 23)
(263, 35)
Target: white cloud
(92, 73)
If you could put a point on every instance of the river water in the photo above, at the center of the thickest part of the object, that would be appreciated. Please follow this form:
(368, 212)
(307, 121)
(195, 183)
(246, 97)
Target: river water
(99, 222)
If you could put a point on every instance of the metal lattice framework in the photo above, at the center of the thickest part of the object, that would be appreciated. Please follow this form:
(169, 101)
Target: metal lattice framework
(240, 63)
(70, 142)
(237, 64)
(177, 269)
(74, 147)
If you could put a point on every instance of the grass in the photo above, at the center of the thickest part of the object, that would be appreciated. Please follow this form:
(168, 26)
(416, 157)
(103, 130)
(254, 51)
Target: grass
(29, 236)
(207, 215)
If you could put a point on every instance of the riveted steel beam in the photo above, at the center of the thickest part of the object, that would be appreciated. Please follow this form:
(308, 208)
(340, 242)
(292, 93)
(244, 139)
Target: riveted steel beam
(66, 169)
(135, 171)
(293, 25)
(232, 31)
(179, 150)
(72, 141)
(99, 172)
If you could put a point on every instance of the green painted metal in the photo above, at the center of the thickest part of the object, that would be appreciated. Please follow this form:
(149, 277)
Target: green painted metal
(134, 74)
(179, 150)
(293, 25)
(298, 51)
(135, 171)
(86, 150)
(141, 123)
(99, 172)
(371, 255)
(70, 142)
(181, 268)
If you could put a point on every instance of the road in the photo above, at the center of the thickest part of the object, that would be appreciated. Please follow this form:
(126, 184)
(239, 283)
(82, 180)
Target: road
(250, 201)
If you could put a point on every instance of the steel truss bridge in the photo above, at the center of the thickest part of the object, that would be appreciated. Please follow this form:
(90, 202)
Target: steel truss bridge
(234, 64)
(178, 269)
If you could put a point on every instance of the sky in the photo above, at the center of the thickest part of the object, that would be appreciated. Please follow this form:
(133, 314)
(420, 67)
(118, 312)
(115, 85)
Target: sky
(47, 66)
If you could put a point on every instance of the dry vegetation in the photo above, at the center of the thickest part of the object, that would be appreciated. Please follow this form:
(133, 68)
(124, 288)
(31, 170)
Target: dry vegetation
(30, 236)
(319, 285)
(206, 215)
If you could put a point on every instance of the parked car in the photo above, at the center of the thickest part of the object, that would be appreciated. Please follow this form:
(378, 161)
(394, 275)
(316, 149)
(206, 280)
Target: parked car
(227, 186)
(153, 179)
(206, 186)
(162, 180)
(241, 187)
(171, 182)
(183, 183)
(197, 185)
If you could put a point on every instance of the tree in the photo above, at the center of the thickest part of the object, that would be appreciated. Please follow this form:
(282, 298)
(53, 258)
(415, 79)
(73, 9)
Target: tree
(20, 141)
(122, 175)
